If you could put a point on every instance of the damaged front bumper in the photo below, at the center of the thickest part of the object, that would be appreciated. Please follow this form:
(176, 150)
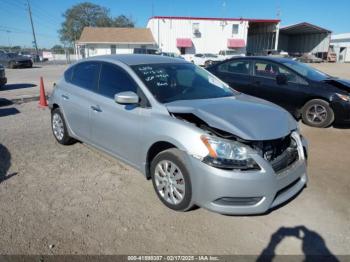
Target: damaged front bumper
(247, 192)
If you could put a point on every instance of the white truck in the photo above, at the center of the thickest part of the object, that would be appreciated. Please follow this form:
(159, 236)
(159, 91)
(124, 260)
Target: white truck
(204, 59)
(227, 54)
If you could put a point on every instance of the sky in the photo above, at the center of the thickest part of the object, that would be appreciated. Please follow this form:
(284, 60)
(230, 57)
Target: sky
(15, 26)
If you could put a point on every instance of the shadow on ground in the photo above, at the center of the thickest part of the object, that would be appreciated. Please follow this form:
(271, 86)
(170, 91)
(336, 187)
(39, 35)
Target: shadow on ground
(5, 164)
(313, 245)
(5, 102)
(17, 86)
(8, 111)
(342, 126)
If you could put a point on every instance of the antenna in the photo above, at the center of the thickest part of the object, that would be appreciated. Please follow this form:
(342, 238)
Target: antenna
(223, 8)
(152, 9)
(278, 11)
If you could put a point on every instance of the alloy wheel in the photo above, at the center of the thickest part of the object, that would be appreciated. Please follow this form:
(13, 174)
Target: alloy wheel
(57, 126)
(170, 182)
(317, 114)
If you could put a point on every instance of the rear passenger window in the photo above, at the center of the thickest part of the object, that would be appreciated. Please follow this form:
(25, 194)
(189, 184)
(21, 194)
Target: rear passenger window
(85, 75)
(113, 80)
(235, 67)
(68, 74)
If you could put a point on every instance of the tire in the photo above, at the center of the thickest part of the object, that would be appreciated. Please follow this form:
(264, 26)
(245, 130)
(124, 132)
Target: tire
(11, 65)
(179, 185)
(317, 113)
(59, 128)
(208, 63)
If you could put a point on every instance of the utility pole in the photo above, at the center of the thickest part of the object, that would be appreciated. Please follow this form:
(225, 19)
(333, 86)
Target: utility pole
(31, 22)
(8, 37)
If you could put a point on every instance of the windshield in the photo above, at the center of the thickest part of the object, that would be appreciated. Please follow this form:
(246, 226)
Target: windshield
(210, 55)
(306, 71)
(172, 82)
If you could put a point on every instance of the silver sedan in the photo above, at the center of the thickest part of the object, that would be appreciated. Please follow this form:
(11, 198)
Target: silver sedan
(201, 142)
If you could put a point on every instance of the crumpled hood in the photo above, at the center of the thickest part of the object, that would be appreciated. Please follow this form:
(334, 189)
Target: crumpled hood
(244, 116)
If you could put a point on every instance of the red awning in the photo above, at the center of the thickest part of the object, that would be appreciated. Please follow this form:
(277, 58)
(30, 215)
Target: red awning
(232, 43)
(183, 42)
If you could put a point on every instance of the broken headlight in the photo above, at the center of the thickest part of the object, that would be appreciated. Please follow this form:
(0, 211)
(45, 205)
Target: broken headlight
(228, 154)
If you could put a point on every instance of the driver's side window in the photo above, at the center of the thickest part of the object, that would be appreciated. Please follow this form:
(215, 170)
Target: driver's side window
(113, 80)
(271, 70)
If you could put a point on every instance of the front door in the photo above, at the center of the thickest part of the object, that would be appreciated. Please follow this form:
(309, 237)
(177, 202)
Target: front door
(288, 95)
(117, 128)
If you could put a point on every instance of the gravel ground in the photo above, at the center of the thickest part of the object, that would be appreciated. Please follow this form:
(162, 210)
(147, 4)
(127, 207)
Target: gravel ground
(75, 200)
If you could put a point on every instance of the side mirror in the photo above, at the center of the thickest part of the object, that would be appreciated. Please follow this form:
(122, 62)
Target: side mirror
(281, 79)
(126, 98)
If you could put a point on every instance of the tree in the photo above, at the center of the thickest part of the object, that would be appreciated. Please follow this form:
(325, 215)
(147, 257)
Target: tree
(57, 47)
(88, 14)
(123, 21)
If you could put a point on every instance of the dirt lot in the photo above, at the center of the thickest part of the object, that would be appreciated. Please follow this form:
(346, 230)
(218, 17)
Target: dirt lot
(77, 200)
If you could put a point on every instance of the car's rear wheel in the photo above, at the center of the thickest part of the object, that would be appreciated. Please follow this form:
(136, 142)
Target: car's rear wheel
(317, 113)
(171, 180)
(11, 64)
(59, 128)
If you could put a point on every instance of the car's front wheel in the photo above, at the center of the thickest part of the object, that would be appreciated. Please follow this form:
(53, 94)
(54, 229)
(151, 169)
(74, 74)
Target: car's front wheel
(208, 63)
(317, 113)
(59, 128)
(171, 180)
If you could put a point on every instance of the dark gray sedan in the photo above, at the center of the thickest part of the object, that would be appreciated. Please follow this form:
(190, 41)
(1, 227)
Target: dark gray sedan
(13, 60)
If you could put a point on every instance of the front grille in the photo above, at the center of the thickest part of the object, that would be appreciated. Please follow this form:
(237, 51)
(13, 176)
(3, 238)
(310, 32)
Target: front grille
(281, 153)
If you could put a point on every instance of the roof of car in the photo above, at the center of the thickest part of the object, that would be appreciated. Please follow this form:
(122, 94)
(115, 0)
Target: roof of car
(139, 59)
(271, 58)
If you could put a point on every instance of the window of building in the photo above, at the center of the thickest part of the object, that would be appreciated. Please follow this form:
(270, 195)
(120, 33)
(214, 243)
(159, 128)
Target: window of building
(235, 29)
(195, 30)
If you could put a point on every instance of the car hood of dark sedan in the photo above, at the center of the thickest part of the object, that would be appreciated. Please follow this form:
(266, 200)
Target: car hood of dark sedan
(339, 83)
(244, 116)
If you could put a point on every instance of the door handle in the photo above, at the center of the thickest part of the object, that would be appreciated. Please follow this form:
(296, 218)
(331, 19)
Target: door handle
(65, 97)
(96, 108)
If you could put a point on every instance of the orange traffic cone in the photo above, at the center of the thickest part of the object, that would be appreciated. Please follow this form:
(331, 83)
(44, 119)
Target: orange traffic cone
(42, 101)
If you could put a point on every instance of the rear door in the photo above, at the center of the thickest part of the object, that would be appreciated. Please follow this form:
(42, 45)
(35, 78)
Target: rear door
(236, 73)
(288, 95)
(78, 94)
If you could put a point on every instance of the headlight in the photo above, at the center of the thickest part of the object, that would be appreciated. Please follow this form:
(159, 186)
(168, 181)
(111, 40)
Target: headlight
(343, 97)
(228, 154)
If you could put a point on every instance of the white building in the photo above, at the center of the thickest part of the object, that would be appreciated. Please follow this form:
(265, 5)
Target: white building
(190, 35)
(111, 40)
(341, 46)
